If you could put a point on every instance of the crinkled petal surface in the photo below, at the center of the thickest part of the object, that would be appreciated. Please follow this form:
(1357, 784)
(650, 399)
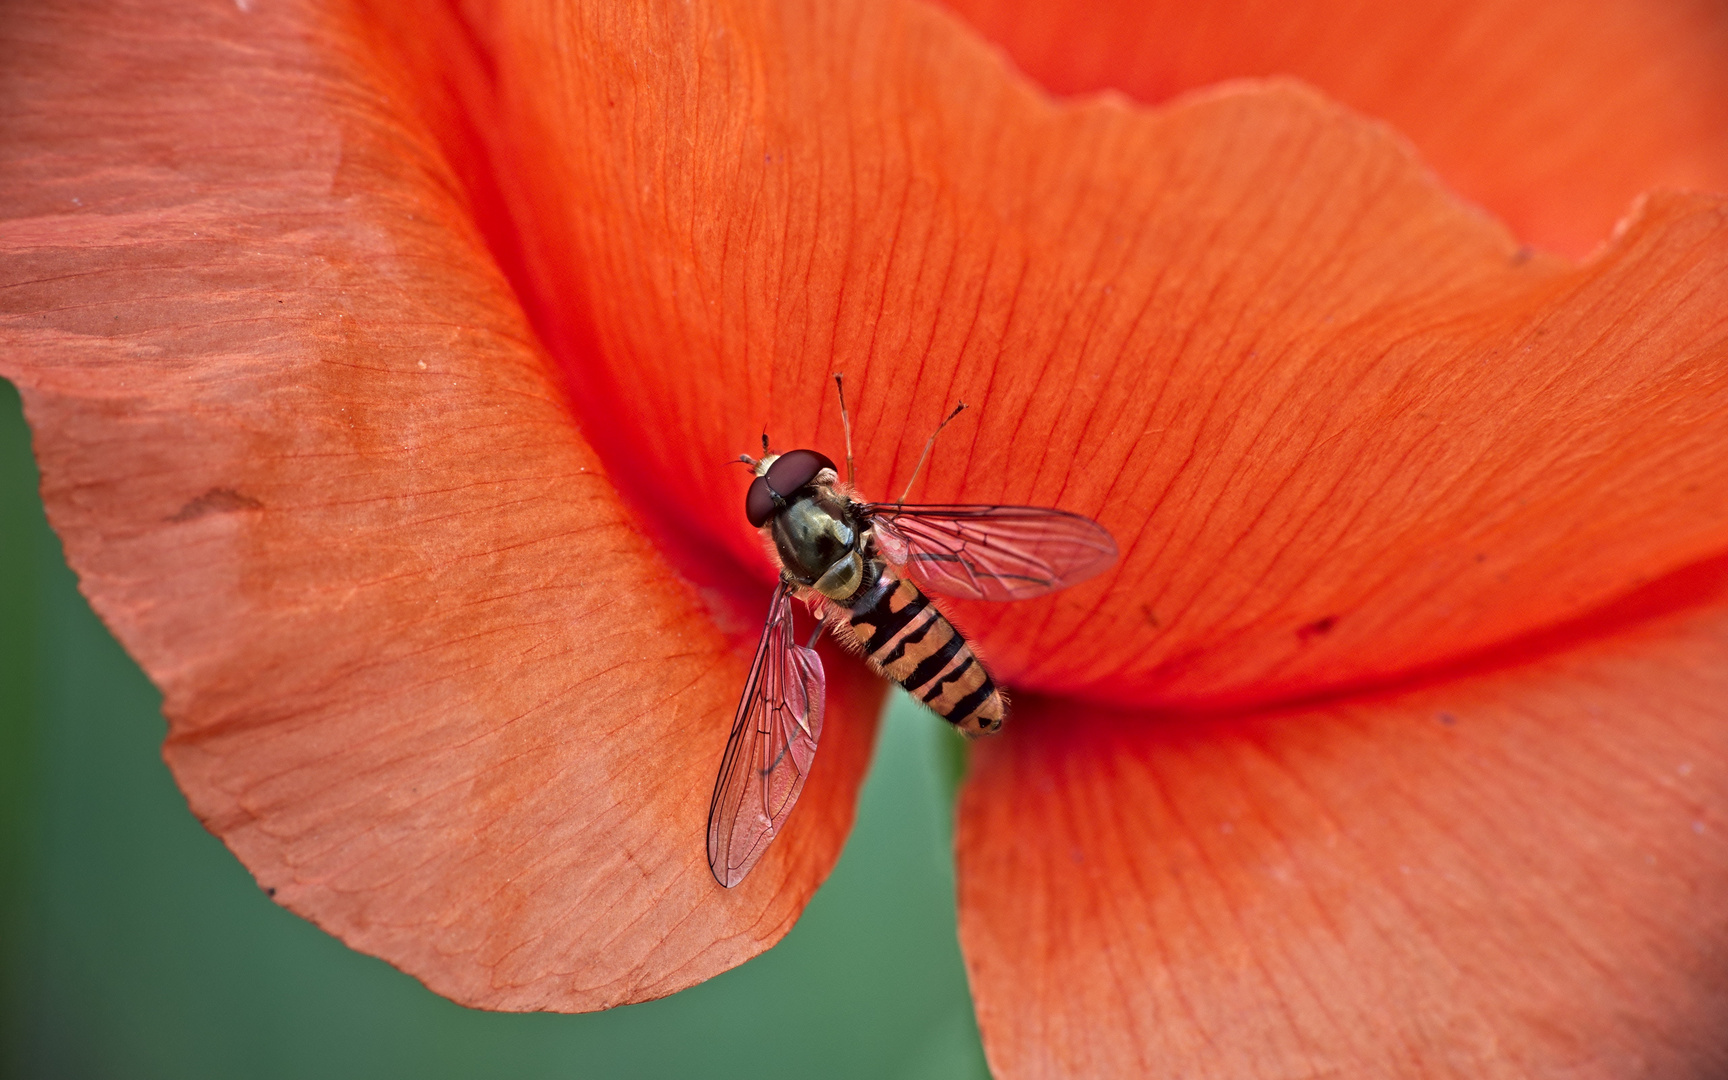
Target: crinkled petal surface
(1342, 425)
(423, 674)
(1554, 114)
(429, 680)
(1519, 872)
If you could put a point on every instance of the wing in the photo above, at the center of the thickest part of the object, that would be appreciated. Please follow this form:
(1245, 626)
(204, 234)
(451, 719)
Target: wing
(769, 752)
(991, 552)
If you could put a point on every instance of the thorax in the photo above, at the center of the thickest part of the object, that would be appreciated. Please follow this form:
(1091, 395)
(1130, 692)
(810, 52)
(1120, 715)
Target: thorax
(823, 541)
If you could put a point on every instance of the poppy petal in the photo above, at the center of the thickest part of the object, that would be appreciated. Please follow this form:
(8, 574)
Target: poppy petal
(1341, 424)
(1517, 872)
(1555, 115)
(423, 675)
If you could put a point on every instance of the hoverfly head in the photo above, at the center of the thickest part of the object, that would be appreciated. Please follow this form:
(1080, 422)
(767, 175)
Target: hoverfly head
(778, 476)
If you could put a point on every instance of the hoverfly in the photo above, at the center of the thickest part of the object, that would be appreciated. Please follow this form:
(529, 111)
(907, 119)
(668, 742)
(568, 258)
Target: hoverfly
(863, 569)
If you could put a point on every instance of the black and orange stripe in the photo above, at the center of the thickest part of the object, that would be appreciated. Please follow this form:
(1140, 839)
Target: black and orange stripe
(905, 638)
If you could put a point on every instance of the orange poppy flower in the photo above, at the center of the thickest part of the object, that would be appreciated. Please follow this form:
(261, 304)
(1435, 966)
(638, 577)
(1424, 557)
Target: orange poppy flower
(384, 363)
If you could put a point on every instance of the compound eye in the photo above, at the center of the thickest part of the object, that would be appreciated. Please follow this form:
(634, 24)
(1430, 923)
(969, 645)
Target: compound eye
(758, 503)
(795, 469)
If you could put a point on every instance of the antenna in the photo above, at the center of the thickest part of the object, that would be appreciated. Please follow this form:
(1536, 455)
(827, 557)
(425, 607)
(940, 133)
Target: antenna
(846, 422)
(928, 443)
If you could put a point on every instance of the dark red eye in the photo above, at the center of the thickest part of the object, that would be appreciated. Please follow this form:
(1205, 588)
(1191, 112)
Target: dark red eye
(758, 504)
(790, 471)
(795, 469)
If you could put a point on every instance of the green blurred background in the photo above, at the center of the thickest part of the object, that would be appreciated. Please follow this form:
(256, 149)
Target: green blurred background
(133, 945)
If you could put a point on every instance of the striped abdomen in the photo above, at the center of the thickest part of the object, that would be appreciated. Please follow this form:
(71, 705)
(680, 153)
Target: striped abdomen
(908, 640)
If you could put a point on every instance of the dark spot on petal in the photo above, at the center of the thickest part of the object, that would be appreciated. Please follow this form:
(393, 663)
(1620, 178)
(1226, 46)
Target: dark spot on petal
(216, 501)
(1151, 616)
(1317, 628)
(1522, 255)
(1448, 719)
(271, 891)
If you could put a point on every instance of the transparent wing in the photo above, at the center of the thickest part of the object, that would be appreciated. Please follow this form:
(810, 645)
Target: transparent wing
(769, 752)
(991, 552)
